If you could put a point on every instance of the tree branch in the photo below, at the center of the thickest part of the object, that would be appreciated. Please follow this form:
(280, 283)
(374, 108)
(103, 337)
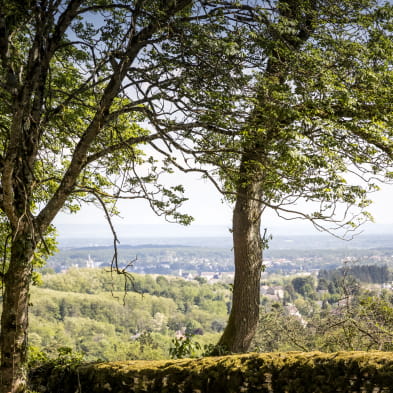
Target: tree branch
(136, 41)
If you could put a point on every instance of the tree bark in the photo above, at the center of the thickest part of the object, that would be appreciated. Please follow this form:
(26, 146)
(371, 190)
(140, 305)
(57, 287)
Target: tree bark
(14, 318)
(248, 249)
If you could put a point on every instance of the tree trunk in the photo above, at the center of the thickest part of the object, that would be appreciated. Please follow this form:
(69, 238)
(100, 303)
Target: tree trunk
(14, 319)
(247, 242)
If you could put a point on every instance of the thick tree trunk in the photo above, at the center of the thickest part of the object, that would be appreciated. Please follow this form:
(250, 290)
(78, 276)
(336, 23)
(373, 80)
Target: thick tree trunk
(244, 316)
(14, 319)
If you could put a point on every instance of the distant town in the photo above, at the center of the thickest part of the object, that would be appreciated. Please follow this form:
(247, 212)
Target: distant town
(202, 259)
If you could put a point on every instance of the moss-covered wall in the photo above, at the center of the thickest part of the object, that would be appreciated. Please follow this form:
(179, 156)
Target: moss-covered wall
(292, 372)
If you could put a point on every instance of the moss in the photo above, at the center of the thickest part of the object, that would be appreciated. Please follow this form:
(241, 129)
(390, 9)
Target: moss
(312, 372)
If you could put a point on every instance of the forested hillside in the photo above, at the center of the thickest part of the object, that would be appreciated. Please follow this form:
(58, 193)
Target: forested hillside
(88, 311)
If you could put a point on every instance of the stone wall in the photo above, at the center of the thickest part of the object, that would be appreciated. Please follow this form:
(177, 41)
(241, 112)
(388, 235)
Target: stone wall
(292, 372)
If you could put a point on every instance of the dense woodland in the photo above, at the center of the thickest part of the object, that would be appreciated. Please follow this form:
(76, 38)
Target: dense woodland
(87, 312)
(368, 273)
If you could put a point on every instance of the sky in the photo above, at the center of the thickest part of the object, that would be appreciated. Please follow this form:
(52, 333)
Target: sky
(212, 216)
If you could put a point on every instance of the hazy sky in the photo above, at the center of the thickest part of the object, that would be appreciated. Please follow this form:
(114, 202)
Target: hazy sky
(206, 206)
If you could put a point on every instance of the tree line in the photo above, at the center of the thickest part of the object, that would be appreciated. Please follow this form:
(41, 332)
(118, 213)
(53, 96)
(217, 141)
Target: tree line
(364, 273)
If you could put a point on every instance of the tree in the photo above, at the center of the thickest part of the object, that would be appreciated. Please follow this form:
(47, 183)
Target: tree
(312, 122)
(355, 323)
(304, 285)
(280, 331)
(320, 115)
(320, 131)
(78, 78)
